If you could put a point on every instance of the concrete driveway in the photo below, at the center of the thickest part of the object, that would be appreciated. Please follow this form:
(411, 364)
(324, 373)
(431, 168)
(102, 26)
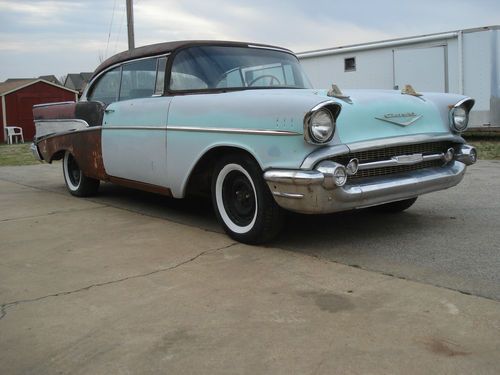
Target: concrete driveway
(92, 287)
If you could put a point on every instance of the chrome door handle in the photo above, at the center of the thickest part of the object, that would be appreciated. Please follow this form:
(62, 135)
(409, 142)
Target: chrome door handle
(109, 110)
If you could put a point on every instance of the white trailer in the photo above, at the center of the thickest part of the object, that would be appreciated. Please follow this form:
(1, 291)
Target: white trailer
(464, 62)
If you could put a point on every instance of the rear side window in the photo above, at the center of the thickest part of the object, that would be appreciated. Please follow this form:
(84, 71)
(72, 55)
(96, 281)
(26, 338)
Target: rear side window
(138, 79)
(107, 87)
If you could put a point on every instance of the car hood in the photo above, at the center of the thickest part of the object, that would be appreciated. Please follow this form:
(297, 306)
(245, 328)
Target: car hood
(375, 114)
(365, 114)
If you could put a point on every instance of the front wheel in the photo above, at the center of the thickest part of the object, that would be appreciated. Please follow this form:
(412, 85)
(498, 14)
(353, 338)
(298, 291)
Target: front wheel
(242, 201)
(77, 183)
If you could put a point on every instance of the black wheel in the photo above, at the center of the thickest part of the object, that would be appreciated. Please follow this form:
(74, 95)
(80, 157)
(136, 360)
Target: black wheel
(243, 203)
(395, 207)
(77, 183)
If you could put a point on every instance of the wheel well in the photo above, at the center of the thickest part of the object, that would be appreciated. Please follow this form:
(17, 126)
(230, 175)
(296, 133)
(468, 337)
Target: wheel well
(57, 156)
(200, 179)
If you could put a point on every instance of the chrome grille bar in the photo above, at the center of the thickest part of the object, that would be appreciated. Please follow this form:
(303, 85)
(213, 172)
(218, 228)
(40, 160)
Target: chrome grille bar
(394, 161)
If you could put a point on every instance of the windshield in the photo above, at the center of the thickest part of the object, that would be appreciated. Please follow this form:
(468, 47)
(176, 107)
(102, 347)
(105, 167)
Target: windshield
(219, 68)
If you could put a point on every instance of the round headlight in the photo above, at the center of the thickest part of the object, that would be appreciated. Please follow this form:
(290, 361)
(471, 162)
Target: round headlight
(321, 126)
(459, 118)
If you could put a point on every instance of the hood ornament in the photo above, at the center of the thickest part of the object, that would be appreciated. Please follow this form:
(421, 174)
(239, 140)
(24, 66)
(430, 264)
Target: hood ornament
(335, 92)
(401, 119)
(409, 90)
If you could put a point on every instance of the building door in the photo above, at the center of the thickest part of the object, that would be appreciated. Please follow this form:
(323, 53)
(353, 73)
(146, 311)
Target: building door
(423, 68)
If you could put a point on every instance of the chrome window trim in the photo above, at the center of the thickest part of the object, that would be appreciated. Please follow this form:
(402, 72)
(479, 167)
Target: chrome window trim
(91, 83)
(328, 152)
(271, 48)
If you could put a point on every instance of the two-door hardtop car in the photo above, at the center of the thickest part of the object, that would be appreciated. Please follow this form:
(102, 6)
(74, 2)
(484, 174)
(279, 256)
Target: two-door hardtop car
(241, 122)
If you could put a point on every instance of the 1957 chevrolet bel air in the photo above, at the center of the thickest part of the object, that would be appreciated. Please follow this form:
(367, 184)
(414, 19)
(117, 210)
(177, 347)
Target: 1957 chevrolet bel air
(241, 122)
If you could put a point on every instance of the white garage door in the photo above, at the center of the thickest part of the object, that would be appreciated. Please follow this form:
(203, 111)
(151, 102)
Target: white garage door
(423, 68)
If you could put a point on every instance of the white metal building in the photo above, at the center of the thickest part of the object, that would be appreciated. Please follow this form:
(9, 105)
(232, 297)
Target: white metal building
(464, 62)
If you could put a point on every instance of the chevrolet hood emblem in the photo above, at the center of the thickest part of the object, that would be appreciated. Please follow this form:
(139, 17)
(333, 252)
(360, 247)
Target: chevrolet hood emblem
(401, 119)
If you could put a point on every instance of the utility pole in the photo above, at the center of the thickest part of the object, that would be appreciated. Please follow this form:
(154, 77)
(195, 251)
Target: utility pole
(130, 24)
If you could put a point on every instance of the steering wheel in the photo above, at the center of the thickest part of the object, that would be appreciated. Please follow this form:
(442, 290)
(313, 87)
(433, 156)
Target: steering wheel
(273, 78)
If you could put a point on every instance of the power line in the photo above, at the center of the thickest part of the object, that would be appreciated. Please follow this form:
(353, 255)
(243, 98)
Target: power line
(110, 27)
(120, 29)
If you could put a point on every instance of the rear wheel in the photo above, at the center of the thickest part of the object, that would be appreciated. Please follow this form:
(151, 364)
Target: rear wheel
(77, 183)
(395, 207)
(242, 201)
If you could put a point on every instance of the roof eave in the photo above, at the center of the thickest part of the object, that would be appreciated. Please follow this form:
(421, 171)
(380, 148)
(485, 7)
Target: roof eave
(36, 81)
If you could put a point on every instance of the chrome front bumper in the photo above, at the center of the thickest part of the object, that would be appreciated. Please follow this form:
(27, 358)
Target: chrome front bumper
(304, 191)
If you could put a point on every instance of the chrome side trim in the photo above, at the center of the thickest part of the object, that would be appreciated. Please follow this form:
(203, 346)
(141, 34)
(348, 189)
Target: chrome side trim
(48, 136)
(329, 152)
(231, 130)
(62, 120)
(48, 127)
(52, 104)
(205, 130)
(134, 128)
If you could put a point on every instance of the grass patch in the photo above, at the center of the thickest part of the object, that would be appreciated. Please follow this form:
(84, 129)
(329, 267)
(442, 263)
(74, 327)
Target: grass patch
(20, 154)
(486, 149)
(16, 154)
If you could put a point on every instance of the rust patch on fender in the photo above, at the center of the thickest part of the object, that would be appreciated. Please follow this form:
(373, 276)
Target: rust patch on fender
(85, 147)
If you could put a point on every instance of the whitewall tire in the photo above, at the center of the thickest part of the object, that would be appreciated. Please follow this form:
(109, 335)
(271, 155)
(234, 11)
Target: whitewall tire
(242, 201)
(76, 182)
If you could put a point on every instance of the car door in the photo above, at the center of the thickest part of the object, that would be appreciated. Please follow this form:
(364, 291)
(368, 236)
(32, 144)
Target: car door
(134, 136)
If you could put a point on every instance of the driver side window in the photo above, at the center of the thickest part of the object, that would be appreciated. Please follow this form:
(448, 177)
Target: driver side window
(106, 89)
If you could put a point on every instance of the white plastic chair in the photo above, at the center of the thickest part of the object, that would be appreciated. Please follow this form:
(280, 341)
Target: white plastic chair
(14, 133)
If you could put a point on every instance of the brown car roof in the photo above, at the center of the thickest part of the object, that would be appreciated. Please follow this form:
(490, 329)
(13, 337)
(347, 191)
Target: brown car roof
(160, 48)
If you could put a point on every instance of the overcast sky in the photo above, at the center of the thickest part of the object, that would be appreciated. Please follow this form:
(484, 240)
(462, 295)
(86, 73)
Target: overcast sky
(39, 37)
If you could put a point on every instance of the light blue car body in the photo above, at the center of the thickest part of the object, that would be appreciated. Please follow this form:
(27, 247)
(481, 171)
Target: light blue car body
(196, 124)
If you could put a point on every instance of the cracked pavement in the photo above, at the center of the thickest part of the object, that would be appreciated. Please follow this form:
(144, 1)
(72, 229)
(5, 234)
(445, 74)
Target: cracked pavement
(88, 288)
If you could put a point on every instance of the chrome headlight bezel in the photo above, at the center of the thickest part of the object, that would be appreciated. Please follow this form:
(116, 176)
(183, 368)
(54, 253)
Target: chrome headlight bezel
(459, 115)
(331, 110)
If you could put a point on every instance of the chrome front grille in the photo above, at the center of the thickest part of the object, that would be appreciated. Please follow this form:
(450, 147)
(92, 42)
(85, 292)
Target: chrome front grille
(387, 153)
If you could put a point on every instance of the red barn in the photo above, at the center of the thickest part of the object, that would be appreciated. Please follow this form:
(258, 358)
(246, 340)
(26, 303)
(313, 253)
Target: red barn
(17, 100)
